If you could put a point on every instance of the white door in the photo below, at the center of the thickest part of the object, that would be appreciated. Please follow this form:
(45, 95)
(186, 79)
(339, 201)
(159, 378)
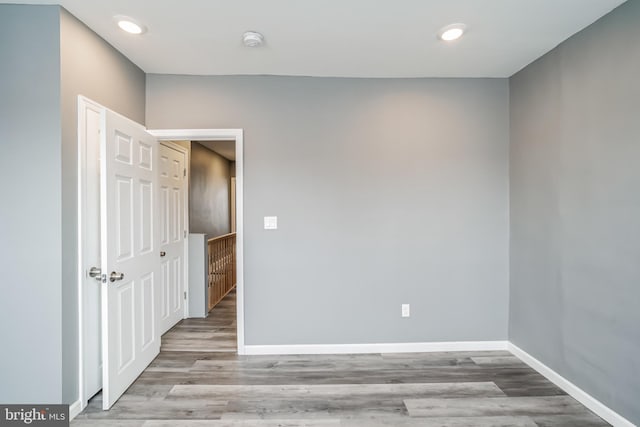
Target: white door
(172, 218)
(90, 120)
(130, 259)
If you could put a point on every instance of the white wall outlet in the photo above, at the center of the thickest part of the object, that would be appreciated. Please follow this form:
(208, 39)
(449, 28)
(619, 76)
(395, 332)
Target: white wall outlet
(406, 310)
(270, 222)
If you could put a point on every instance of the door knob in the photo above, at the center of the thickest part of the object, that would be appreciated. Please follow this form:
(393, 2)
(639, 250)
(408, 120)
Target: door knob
(95, 272)
(163, 253)
(116, 276)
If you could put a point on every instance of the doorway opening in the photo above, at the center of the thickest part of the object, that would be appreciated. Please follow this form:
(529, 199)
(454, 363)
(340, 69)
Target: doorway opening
(212, 212)
(211, 319)
(229, 142)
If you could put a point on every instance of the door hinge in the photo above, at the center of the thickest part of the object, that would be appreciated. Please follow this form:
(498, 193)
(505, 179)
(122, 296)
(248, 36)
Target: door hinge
(185, 295)
(184, 172)
(185, 233)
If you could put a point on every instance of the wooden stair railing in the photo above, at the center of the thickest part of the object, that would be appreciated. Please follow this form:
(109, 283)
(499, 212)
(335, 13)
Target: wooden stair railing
(222, 267)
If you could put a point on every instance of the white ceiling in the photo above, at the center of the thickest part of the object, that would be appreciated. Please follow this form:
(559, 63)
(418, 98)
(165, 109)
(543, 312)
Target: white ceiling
(346, 38)
(226, 149)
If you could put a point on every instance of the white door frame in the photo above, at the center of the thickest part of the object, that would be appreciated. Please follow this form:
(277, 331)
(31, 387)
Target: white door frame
(83, 105)
(183, 150)
(222, 135)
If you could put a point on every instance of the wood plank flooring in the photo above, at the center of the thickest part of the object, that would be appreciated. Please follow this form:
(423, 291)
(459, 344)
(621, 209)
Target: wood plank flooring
(216, 333)
(198, 380)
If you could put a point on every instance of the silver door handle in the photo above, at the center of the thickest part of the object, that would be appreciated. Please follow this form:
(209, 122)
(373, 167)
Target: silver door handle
(95, 272)
(163, 253)
(116, 276)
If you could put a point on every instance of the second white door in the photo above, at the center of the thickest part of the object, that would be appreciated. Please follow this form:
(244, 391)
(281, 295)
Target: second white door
(173, 231)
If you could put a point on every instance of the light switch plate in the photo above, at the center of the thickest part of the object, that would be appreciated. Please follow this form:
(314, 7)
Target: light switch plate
(270, 222)
(406, 310)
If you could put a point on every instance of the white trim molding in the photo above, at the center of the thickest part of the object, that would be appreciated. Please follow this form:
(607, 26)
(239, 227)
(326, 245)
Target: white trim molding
(196, 134)
(74, 409)
(84, 104)
(593, 404)
(413, 347)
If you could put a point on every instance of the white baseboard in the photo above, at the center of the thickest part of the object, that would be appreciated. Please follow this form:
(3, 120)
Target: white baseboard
(603, 411)
(414, 347)
(74, 409)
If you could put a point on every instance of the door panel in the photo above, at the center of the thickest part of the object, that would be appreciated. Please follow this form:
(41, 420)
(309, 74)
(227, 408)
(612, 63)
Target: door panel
(176, 290)
(124, 218)
(147, 220)
(173, 227)
(125, 335)
(129, 246)
(90, 121)
(148, 328)
(164, 215)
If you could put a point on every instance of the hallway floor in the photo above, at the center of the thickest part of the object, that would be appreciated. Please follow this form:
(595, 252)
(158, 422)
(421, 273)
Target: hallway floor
(198, 380)
(216, 333)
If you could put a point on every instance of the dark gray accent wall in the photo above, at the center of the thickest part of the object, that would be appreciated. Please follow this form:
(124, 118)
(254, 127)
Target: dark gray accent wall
(92, 68)
(30, 211)
(575, 210)
(386, 192)
(209, 185)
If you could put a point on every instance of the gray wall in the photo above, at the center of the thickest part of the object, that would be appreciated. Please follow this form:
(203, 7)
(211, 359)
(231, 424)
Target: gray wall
(30, 211)
(575, 210)
(386, 192)
(90, 67)
(208, 192)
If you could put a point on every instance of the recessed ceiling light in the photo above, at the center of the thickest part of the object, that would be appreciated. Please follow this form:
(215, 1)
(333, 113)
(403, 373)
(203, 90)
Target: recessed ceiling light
(129, 24)
(252, 39)
(452, 32)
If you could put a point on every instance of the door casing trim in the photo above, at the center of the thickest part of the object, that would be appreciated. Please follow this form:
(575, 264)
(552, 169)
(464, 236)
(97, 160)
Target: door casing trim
(83, 103)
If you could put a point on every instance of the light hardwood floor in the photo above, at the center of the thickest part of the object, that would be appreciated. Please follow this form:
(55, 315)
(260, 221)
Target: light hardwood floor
(198, 380)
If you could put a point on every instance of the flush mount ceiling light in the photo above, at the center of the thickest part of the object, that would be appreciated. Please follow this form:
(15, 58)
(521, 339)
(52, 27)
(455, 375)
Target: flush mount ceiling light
(452, 32)
(252, 39)
(129, 24)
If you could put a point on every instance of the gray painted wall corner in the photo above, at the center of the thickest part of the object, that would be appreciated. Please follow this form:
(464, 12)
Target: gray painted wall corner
(575, 206)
